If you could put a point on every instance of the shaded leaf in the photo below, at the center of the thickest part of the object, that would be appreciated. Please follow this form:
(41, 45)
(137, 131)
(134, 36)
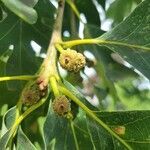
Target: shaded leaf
(114, 70)
(1, 14)
(15, 32)
(102, 3)
(6, 94)
(59, 135)
(123, 7)
(89, 10)
(132, 126)
(57, 128)
(30, 3)
(4, 140)
(23, 142)
(133, 37)
(8, 121)
(81, 130)
(25, 12)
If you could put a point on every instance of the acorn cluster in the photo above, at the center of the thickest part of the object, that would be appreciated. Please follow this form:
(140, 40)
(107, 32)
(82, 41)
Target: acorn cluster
(71, 60)
(61, 105)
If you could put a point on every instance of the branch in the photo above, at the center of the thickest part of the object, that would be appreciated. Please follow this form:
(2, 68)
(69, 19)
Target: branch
(48, 68)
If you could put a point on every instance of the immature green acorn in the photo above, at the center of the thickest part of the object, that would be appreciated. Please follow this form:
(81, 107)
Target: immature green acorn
(61, 105)
(71, 60)
(31, 94)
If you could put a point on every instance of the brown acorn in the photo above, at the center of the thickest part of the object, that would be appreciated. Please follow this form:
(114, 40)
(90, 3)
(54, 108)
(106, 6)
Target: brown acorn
(61, 105)
(71, 60)
(31, 94)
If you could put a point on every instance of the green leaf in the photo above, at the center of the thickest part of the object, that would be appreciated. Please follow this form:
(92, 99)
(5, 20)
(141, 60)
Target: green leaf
(120, 122)
(132, 37)
(123, 7)
(57, 128)
(8, 121)
(23, 142)
(25, 12)
(59, 135)
(108, 69)
(89, 10)
(82, 133)
(6, 94)
(4, 140)
(15, 32)
(104, 55)
(1, 13)
(30, 3)
(132, 126)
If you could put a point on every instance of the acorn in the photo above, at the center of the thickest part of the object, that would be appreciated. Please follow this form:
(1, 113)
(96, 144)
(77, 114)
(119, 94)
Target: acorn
(61, 105)
(71, 60)
(31, 94)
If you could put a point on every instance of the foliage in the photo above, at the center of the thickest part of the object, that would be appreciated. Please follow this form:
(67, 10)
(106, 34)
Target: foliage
(107, 108)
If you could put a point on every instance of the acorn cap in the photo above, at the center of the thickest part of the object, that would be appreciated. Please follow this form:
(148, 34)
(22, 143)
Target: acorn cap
(71, 60)
(31, 94)
(61, 105)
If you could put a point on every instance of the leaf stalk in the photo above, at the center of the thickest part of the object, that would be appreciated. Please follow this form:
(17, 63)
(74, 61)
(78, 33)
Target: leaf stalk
(23, 77)
(99, 41)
